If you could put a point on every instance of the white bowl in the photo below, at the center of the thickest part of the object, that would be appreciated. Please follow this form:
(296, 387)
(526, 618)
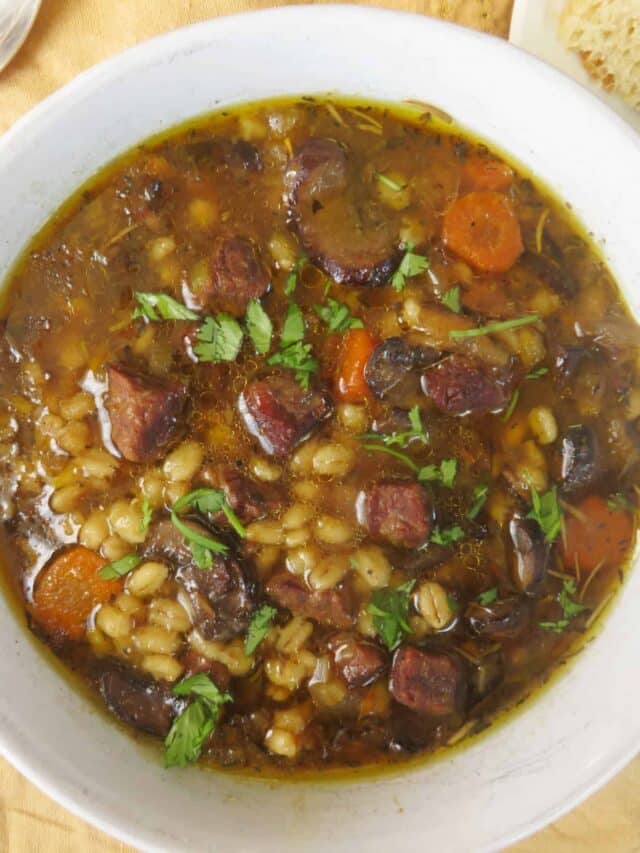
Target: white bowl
(575, 735)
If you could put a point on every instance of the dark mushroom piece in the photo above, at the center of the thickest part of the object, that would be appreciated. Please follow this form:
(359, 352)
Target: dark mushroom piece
(528, 554)
(390, 370)
(580, 464)
(499, 620)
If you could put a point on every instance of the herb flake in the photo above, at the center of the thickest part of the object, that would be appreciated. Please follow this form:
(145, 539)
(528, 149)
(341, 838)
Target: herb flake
(191, 728)
(410, 266)
(119, 568)
(490, 328)
(547, 512)
(479, 497)
(447, 536)
(219, 339)
(259, 627)
(390, 611)
(160, 306)
(337, 316)
(259, 327)
(451, 299)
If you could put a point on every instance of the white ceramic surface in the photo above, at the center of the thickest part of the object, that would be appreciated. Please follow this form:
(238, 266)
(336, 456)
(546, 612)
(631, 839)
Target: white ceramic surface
(534, 27)
(576, 735)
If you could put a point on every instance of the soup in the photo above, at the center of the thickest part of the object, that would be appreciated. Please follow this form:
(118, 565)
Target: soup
(319, 431)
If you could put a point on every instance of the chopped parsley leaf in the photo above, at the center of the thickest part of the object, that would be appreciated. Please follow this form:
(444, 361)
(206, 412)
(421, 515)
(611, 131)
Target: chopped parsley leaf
(452, 299)
(147, 515)
(536, 374)
(488, 596)
(337, 316)
(513, 402)
(191, 728)
(161, 306)
(119, 568)
(447, 536)
(490, 328)
(390, 183)
(259, 327)
(219, 339)
(259, 626)
(479, 496)
(410, 266)
(291, 281)
(444, 473)
(390, 611)
(546, 511)
(570, 608)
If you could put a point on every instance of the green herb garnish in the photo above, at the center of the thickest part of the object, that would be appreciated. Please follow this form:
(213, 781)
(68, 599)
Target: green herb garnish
(479, 496)
(402, 439)
(410, 266)
(294, 354)
(513, 402)
(119, 568)
(488, 596)
(389, 182)
(259, 627)
(212, 501)
(161, 306)
(444, 473)
(147, 515)
(291, 281)
(447, 536)
(381, 448)
(191, 728)
(570, 608)
(219, 339)
(337, 316)
(454, 604)
(536, 374)
(490, 328)
(546, 511)
(259, 326)
(619, 503)
(390, 611)
(452, 299)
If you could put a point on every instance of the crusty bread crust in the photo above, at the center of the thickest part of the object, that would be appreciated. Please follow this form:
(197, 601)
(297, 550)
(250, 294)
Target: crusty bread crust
(606, 35)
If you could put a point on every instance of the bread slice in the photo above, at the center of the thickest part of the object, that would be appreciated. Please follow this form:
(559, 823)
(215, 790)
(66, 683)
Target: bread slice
(606, 35)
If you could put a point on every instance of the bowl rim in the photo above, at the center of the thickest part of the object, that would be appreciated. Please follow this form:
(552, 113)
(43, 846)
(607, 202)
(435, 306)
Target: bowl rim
(68, 792)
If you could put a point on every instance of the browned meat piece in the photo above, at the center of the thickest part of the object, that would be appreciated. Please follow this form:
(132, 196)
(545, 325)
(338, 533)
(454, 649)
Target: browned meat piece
(222, 598)
(236, 277)
(242, 493)
(137, 700)
(581, 462)
(358, 661)
(499, 620)
(391, 366)
(331, 607)
(280, 413)
(194, 663)
(528, 554)
(429, 682)
(459, 386)
(347, 235)
(399, 512)
(146, 413)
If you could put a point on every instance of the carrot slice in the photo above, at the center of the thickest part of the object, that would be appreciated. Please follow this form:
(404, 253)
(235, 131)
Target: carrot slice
(482, 227)
(486, 173)
(67, 591)
(357, 346)
(599, 536)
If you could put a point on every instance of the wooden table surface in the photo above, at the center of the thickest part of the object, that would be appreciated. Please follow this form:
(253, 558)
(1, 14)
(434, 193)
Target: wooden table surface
(69, 36)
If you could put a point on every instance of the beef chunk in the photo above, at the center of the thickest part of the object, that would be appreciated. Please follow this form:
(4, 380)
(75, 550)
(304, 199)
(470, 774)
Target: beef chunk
(137, 700)
(429, 682)
(460, 386)
(222, 598)
(349, 236)
(399, 512)
(236, 276)
(242, 493)
(331, 607)
(358, 661)
(280, 413)
(146, 413)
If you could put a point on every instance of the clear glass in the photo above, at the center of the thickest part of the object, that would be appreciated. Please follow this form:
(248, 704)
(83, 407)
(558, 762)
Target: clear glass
(16, 19)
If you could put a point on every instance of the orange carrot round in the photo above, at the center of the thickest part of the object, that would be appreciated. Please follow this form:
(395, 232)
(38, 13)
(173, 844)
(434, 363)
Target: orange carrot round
(483, 229)
(68, 589)
(486, 173)
(600, 536)
(357, 345)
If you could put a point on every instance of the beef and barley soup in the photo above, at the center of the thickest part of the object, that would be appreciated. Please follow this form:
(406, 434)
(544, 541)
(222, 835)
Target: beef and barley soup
(319, 431)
